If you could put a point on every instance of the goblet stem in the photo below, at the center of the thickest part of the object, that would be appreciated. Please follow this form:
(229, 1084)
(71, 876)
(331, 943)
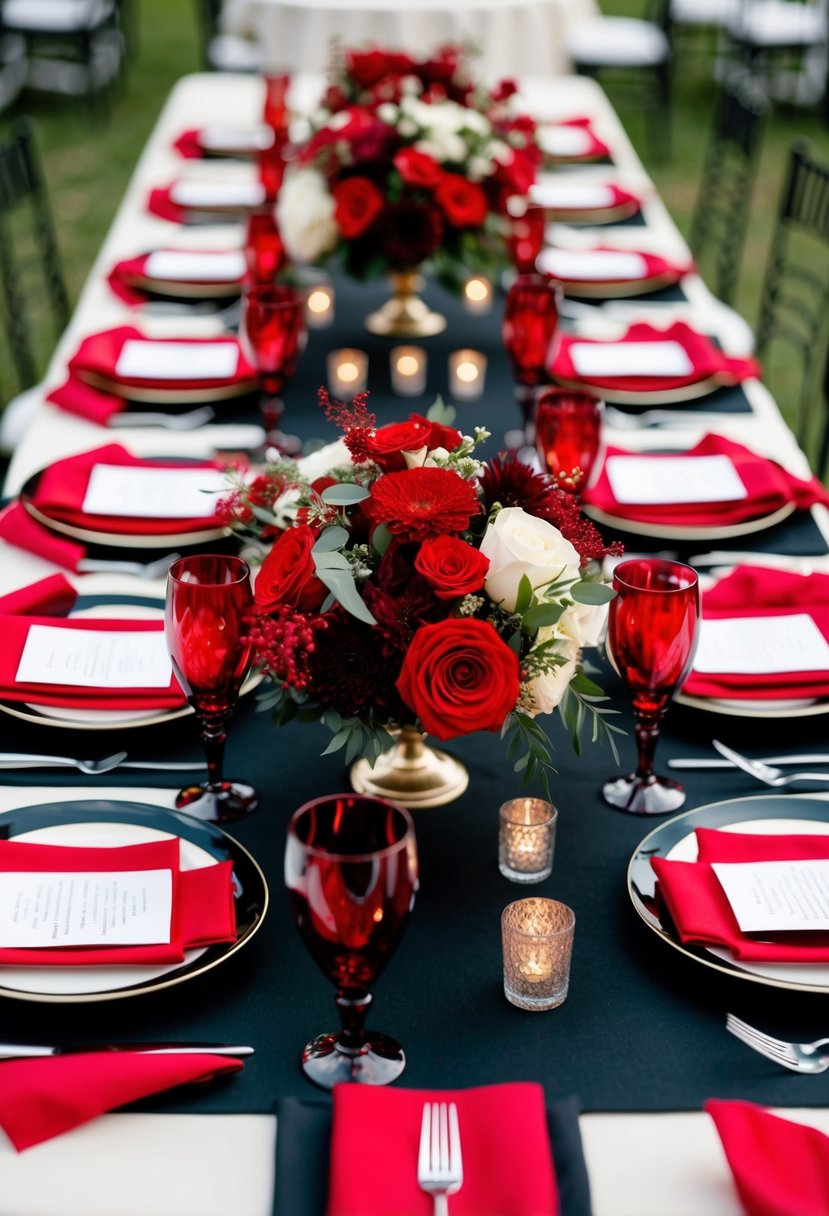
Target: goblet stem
(647, 736)
(213, 739)
(352, 1019)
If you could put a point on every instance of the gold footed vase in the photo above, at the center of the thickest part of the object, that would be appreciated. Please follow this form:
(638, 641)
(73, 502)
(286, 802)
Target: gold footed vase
(411, 773)
(405, 315)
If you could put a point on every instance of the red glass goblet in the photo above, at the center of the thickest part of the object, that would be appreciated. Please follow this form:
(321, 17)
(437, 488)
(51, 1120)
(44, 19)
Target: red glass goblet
(568, 435)
(272, 167)
(530, 319)
(652, 637)
(209, 600)
(351, 872)
(264, 251)
(526, 237)
(273, 335)
(275, 111)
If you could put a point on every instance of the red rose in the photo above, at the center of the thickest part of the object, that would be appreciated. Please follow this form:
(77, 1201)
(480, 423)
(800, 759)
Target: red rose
(462, 202)
(388, 443)
(459, 676)
(451, 566)
(287, 573)
(357, 203)
(369, 67)
(443, 437)
(417, 168)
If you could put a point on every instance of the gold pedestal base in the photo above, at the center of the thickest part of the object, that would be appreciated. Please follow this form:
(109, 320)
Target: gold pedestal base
(405, 315)
(412, 774)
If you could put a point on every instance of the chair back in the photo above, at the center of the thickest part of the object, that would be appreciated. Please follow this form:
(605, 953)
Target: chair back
(721, 214)
(30, 267)
(795, 295)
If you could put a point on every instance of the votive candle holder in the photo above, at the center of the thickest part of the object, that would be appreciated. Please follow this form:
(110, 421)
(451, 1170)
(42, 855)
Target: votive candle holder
(347, 372)
(526, 839)
(467, 374)
(537, 942)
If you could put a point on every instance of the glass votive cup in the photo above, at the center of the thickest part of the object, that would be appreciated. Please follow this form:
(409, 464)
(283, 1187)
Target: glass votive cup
(537, 942)
(478, 296)
(347, 372)
(467, 374)
(319, 304)
(526, 839)
(408, 366)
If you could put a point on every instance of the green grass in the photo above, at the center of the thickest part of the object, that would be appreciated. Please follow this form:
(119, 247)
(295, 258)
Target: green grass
(87, 164)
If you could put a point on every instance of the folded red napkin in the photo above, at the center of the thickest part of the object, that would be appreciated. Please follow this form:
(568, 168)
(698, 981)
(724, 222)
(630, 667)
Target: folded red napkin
(596, 149)
(159, 203)
(701, 913)
(189, 145)
(769, 487)
(780, 1168)
(203, 910)
(77, 397)
(507, 1161)
(756, 591)
(127, 280)
(708, 362)
(44, 1097)
(55, 595)
(62, 487)
(18, 528)
(98, 355)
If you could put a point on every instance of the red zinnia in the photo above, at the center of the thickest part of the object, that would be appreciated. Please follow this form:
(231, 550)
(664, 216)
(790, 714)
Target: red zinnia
(419, 503)
(461, 201)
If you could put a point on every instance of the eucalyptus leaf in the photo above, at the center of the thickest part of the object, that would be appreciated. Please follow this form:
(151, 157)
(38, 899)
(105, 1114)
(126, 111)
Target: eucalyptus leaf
(344, 495)
(540, 616)
(525, 595)
(381, 538)
(331, 538)
(329, 561)
(342, 587)
(266, 516)
(440, 412)
(592, 593)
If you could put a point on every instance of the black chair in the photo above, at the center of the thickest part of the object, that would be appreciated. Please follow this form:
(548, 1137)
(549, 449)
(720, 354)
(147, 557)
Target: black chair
(30, 266)
(635, 52)
(719, 225)
(795, 295)
(784, 44)
(224, 52)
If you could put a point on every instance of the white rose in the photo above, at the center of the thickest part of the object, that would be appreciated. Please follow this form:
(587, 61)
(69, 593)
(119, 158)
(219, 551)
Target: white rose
(416, 458)
(583, 623)
(305, 215)
(546, 690)
(517, 544)
(318, 463)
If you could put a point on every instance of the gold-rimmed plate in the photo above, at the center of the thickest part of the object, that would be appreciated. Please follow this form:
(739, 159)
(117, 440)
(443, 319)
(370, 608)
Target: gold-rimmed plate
(147, 395)
(667, 396)
(773, 814)
(757, 707)
(637, 527)
(104, 823)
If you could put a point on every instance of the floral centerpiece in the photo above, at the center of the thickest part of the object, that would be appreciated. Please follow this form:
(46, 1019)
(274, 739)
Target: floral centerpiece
(409, 586)
(407, 162)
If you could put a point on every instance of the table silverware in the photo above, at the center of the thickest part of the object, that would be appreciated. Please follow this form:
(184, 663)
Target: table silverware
(439, 1161)
(766, 773)
(26, 1051)
(799, 1057)
(708, 762)
(172, 422)
(24, 760)
(147, 570)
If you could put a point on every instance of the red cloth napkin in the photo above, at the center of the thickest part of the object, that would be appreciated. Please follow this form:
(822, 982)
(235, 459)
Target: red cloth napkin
(780, 1168)
(44, 1097)
(124, 280)
(597, 147)
(203, 910)
(56, 595)
(77, 397)
(707, 360)
(507, 1160)
(660, 272)
(98, 355)
(701, 913)
(18, 528)
(189, 145)
(755, 591)
(769, 487)
(62, 487)
(159, 203)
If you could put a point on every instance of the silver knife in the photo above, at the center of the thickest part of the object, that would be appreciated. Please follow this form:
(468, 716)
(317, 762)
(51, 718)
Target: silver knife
(705, 762)
(16, 1051)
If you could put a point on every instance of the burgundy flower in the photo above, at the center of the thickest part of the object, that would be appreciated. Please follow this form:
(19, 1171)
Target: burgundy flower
(408, 233)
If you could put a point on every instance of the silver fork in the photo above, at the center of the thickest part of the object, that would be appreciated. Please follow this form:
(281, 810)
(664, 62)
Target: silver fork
(800, 1057)
(171, 422)
(148, 570)
(647, 419)
(439, 1162)
(92, 767)
(770, 776)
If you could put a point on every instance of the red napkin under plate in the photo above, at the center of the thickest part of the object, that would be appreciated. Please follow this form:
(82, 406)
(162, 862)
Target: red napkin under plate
(77, 397)
(42, 1098)
(507, 1160)
(203, 910)
(18, 528)
(701, 912)
(710, 367)
(756, 591)
(780, 1168)
(769, 488)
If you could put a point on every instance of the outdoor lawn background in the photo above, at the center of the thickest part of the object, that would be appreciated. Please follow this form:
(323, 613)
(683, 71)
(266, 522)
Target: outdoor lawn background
(87, 164)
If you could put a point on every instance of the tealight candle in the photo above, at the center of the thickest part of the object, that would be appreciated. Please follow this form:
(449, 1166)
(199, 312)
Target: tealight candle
(319, 305)
(526, 839)
(477, 294)
(467, 374)
(347, 372)
(408, 370)
(537, 940)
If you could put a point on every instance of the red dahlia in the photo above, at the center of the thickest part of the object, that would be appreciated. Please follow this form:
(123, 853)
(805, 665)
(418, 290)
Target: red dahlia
(419, 503)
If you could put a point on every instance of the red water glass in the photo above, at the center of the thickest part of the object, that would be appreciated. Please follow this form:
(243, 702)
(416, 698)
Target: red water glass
(208, 606)
(272, 167)
(275, 111)
(526, 237)
(351, 873)
(264, 251)
(652, 637)
(273, 335)
(530, 320)
(568, 435)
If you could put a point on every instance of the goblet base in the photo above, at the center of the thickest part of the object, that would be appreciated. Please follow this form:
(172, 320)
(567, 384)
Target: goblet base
(377, 1061)
(644, 795)
(219, 803)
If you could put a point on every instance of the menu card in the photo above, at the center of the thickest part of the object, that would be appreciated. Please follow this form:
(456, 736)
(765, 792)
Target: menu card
(188, 266)
(572, 196)
(163, 493)
(67, 908)
(235, 139)
(762, 645)
(674, 479)
(94, 658)
(588, 265)
(767, 896)
(564, 141)
(217, 194)
(144, 359)
(630, 359)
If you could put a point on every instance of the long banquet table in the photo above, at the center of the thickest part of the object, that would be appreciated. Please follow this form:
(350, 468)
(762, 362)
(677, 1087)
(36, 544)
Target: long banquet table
(641, 1037)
